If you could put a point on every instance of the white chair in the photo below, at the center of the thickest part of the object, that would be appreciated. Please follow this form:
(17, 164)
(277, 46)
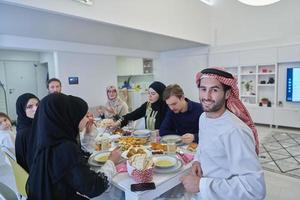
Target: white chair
(20, 174)
(6, 193)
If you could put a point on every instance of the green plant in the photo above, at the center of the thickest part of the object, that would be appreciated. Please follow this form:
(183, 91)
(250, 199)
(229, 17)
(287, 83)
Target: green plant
(248, 85)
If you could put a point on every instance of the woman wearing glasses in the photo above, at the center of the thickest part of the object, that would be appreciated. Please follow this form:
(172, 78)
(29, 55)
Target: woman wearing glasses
(114, 107)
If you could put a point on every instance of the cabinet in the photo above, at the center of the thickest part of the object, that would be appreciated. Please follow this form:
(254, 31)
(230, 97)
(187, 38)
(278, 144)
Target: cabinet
(287, 117)
(129, 66)
(137, 72)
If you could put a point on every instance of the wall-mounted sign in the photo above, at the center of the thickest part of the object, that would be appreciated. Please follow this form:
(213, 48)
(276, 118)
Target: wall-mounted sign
(73, 80)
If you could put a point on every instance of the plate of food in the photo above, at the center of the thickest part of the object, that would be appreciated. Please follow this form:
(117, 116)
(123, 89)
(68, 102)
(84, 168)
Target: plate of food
(164, 161)
(101, 157)
(168, 170)
(171, 139)
(135, 150)
(141, 133)
(192, 147)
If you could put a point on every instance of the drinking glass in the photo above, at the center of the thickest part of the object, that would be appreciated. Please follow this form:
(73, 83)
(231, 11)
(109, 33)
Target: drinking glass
(171, 147)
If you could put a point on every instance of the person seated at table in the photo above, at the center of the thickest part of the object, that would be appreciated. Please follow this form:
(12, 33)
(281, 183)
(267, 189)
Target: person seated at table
(114, 107)
(226, 165)
(59, 170)
(153, 110)
(7, 138)
(182, 118)
(6, 134)
(88, 135)
(26, 107)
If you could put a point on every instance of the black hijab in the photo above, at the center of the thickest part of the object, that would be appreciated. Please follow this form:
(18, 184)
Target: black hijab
(159, 87)
(23, 121)
(55, 129)
(24, 125)
(160, 105)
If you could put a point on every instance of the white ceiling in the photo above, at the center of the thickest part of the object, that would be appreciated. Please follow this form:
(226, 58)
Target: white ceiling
(29, 22)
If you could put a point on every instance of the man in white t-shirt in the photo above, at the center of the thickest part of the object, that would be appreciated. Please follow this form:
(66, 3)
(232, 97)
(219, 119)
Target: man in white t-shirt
(226, 164)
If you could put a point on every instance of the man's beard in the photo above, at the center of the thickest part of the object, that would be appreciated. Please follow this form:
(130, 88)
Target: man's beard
(215, 106)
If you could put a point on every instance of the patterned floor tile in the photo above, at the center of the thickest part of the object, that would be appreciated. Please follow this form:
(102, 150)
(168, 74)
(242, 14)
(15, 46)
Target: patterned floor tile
(295, 173)
(288, 143)
(287, 164)
(272, 146)
(264, 157)
(276, 156)
(280, 152)
(294, 150)
(281, 136)
(294, 135)
(271, 166)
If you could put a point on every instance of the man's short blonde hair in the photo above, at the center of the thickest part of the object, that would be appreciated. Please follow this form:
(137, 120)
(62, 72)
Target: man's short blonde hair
(173, 90)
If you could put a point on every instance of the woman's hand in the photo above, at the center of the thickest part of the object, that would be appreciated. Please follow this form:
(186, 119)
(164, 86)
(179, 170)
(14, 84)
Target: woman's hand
(90, 123)
(110, 110)
(187, 138)
(101, 110)
(115, 155)
(115, 125)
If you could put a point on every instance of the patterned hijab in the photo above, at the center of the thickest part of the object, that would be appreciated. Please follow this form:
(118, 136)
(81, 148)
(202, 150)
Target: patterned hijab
(233, 103)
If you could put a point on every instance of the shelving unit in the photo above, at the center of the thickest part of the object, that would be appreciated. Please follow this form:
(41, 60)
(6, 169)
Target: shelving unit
(256, 82)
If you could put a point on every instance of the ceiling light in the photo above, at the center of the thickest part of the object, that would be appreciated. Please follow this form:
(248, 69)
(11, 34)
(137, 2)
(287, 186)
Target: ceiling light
(208, 2)
(86, 2)
(258, 2)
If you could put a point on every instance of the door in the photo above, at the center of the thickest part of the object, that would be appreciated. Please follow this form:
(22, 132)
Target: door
(20, 78)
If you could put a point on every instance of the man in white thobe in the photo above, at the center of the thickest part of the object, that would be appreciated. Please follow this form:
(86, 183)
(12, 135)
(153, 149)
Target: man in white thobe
(226, 164)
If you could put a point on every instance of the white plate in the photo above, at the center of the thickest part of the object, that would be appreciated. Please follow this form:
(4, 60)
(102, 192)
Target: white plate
(141, 133)
(164, 161)
(101, 157)
(169, 170)
(93, 162)
(124, 154)
(171, 138)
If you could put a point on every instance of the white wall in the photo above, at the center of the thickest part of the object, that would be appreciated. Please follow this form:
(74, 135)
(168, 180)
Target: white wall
(2, 94)
(14, 55)
(95, 72)
(43, 45)
(234, 22)
(188, 20)
(48, 58)
(181, 67)
(19, 55)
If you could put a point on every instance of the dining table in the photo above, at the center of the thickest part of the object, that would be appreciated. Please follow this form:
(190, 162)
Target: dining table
(164, 180)
(163, 183)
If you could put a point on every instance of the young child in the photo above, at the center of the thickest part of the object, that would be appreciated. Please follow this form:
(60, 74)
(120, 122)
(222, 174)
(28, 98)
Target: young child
(6, 135)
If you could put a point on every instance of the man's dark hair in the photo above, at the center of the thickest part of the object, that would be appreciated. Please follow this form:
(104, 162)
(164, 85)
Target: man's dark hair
(219, 73)
(53, 80)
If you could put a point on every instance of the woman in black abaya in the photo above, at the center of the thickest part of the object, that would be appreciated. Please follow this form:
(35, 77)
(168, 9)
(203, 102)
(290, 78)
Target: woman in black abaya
(26, 106)
(59, 170)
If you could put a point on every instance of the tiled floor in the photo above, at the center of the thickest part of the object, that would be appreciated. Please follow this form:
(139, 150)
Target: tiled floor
(280, 152)
(279, 187)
